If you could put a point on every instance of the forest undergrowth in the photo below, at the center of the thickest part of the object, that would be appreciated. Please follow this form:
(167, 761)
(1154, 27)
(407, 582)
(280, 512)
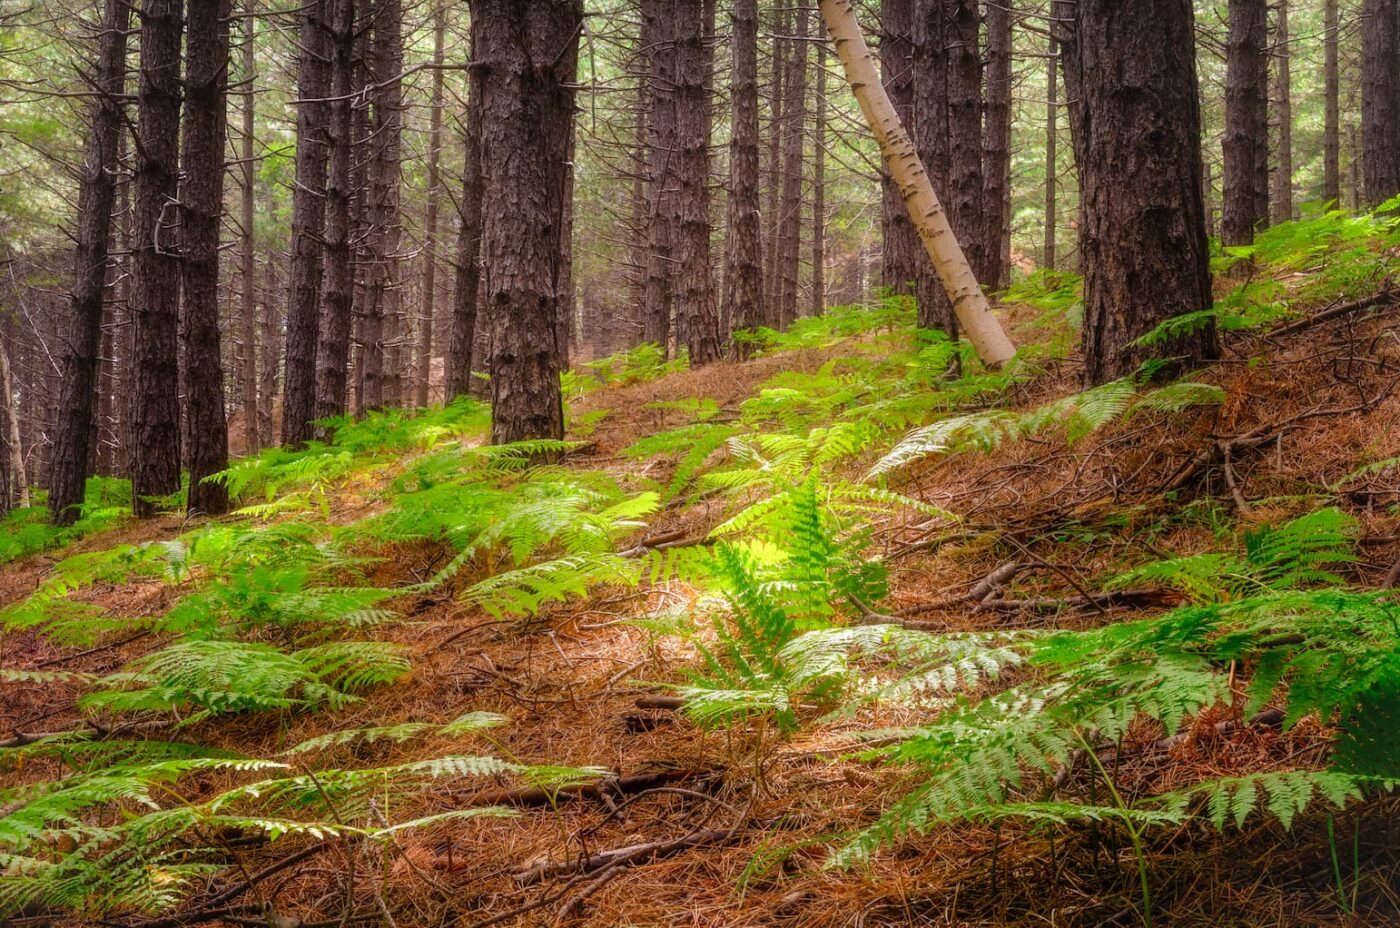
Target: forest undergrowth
(852, 633)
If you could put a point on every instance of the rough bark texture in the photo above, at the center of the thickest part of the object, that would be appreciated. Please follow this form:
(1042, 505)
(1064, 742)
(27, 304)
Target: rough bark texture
(529, 56)
(73, 435)
(1052, 131)
(1246, 141)
(426, 317)
(965, 192)
(1380, 99)
(819, 186)
(1331, 117)
(899, 240)
(794, 143)
(308, 224)
(996, 144)
(743, 275)
(1281, 201)
(928, 114)
(271, 356)
(248, 316)
(205, 134)
(467, 274)
(155, 410)
(777, 99)
(333, 350)
(1137, 129)
(658, 39)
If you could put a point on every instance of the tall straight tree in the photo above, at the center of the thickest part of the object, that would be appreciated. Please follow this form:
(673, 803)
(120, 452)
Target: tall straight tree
(777, 99)
(1137, 140)
(424, 359)
(1246, 142)
(1331, 106)
(155, 296)
(1052, 132)
(743, 255)
(333, 348)
(899, 241)
(1380, 99)
(819, 184)
(205, 135)
(467, 274)
(248, 171)
(1281, 200)
(794, 147)
(658, 38)
(308, 224)
(928, 127)
(529, 59)
(996, 143)
(964, 191)
(96, 193)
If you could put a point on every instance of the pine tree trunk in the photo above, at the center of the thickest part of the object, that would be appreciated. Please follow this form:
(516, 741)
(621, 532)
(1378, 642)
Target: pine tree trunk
(252, 438)
(1246, 141)
(271, 356)
(467, 274)
(1281, 201)
(819, 187)
(529, 57)
(996, 144)
(97, 191)
(899, 239)
(564, 281)
(743, 275)
(928, 127)
(777, 126)
(423, 371)
(1052, 132)
(794, 144)
(155, 421)
(970, 304)
(333, 351)
(205, 135)
(308, 224)
(1332, 117)
(13, 441)
(1380, 99)
(658, 37)
(1137, 131)
(965, 184)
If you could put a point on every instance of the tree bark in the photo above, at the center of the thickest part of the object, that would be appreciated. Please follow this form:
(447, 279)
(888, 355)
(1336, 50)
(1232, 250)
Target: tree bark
(271, 356)
(970, 304)
(529, 57)
(1137, 129)
(899, 239)
(1246, 141)
(996, 144)
(928, 127)
(428, 312)
(659, 39)
(73, 434)
(743, 275)
(308, 225)
(155, 420)
(1282, 200)
(777, 125)
(1052, 132)
(819, 186)
(965, 206)
(794, 144)
(252, 437)
(1380, 99)
(467, 274)
(1331, 117)
(205, 135)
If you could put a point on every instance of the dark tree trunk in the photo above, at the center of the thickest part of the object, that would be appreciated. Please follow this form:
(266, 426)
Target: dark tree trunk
(252, 437)
(964, 200)
(697, 311)
(155, 420)
(467, 274)
(928, 127)
(308, 225)
(1331, 118)
(1137, 130)
(271, 356)
(426, 320)
(743, 276)
(1380, 99)
(777, 125)
(1052, 132)
(1281, 201)
(658, 37)
(900, 247)
(996, 144)
(205, 134)
(640, 229)
(333, 351)
(794, 144)
(819, 187)
(564, 323)
(73, 435)
(1246, 141)
(529, 57)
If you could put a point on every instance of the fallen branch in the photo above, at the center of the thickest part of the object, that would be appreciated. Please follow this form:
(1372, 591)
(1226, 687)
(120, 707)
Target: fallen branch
(1376, 300)
(542, 796)
(97, 732)
(622, 856)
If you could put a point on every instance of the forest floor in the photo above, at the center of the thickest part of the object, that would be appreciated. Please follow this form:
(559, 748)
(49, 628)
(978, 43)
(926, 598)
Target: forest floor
(732, 825)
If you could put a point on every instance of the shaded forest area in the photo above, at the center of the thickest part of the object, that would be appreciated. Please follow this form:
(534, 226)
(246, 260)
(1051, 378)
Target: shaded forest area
(699, 462)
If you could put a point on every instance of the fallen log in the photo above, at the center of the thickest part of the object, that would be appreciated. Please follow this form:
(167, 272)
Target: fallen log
(542, 796)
